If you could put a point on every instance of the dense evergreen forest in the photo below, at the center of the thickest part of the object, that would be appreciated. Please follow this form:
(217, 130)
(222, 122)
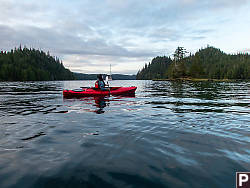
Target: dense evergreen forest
(209, 63)
(25, 64)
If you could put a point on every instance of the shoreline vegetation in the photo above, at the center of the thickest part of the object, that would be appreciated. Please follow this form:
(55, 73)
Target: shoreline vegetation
(209, 64)
(23, 64)
(201, 80)
(82, 76)
(26, 64)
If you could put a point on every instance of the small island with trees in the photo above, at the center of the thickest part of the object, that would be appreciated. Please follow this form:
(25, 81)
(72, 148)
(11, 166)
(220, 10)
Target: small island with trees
(206, 64)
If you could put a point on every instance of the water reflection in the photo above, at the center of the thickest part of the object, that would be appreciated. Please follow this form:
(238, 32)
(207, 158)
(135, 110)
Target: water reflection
(199, 90)
(197, 97)
(101, 103)
(26, 98)
(98, 105)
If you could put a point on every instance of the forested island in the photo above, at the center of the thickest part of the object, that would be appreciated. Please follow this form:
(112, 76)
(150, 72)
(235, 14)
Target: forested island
(23, 64)
(81, 76)
(208, 63)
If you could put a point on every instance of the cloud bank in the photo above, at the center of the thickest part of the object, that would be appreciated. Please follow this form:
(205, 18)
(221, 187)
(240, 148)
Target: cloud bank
(89, 35)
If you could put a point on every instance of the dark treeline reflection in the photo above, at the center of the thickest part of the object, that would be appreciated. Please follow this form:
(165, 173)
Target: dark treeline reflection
(185, 89)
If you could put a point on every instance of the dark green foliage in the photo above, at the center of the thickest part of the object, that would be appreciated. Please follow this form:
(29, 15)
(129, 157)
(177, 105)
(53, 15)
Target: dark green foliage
(155, 70)
(179, 53)
(123, 77)
(212, 63)
(209, 63)
(25, 64)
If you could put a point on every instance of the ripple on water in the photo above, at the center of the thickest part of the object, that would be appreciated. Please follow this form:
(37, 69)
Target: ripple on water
(176, 134)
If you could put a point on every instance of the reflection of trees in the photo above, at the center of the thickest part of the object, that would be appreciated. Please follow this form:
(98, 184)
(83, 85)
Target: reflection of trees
(203, 90)
(188, 96)
(177, 89)
(207, 90)
(166, 88)
(184, 89)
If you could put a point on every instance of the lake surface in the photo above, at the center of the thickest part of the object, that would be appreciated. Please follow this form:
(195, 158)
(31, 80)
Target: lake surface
(171, 134)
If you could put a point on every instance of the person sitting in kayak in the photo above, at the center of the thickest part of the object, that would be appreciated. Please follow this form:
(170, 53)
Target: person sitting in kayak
(100, 84)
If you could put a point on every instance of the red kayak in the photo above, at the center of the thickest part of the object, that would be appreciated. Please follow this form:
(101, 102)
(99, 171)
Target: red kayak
(88, 92)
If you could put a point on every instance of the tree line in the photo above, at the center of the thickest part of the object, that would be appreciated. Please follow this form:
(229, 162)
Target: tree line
(23, 64)
(209, 63)
(82, 76)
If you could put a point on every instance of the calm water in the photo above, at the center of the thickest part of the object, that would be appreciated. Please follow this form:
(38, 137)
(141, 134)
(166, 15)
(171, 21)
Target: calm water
(171, 134)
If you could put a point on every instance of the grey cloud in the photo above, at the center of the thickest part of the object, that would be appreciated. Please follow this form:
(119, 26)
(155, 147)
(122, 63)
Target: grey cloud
(165, 34)
(142, 19)
(105, 19)
(12, 11)
(97, 63)
(110, 28)
(141, 14)
(168, 34)
(63, 43)
(203, 31)
(198, 37)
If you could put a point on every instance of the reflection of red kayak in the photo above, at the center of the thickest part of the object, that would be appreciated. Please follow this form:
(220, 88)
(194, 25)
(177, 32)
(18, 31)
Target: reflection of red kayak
(87, 92)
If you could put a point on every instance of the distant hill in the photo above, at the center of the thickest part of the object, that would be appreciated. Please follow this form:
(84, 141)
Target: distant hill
(81, 76)
(25, 64)
(210, 63)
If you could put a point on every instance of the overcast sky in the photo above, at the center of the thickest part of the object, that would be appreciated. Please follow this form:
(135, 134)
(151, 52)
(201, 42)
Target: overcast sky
(88, 35)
